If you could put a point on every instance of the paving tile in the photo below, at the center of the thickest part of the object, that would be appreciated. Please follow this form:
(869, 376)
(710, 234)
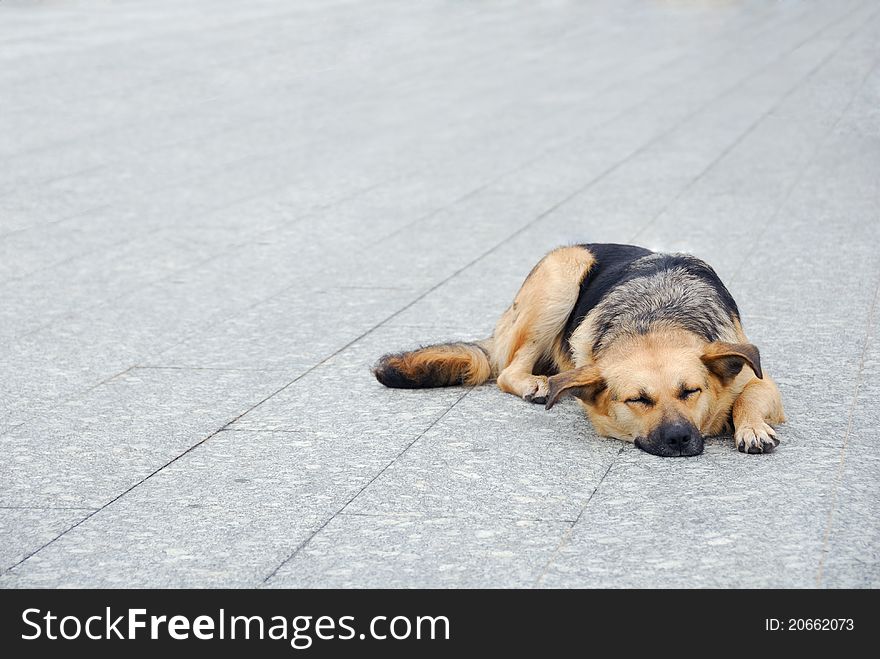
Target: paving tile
(851, 553)
(414, 551)
(730, 523)
(295, 330)
(227, 513)
(496, 455)
(197, 210)
(219, 287)
(25, 530)
(722, 520)
(341, 396)
(166, 545)
(91, 449)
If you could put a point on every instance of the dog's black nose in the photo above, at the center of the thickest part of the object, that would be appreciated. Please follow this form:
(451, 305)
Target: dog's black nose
(672, 439)
(678, 436)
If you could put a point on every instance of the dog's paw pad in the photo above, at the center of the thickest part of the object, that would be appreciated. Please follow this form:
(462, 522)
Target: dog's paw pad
(755, 438)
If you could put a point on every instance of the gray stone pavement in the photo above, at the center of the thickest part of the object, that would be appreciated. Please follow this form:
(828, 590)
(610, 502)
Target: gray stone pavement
(214, 216)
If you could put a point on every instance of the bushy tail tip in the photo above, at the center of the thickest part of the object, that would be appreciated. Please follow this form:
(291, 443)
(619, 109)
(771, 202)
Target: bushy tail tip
(441, 365)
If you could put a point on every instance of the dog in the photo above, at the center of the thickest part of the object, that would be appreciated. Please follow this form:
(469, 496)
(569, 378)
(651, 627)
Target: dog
(651, 345)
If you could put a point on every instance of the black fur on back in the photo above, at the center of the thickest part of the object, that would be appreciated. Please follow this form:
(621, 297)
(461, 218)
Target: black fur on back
(611, 266)
(630, 289)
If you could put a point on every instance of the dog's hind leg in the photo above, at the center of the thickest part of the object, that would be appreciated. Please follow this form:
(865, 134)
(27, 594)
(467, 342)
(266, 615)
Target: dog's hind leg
(518, 379)
(757, 407)
(530, 332)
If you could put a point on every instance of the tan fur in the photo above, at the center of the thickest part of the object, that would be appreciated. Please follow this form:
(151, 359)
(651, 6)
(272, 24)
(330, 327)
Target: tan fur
(540, 310)
(458, 363)
(658, 363)
(683, 375)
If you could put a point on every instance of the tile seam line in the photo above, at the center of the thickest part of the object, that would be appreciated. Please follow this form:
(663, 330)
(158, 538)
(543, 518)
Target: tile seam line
(341, 510)
(19, 81)
(145, 195)
(471, 263)
(511, 236)
(798, 179)
(87, 211)
(108, 503)
(260, 195)
(553, 208)
(561, 144)
(558, 204)
(320, 363)
(538, 217)
(799, 84)
(308, 214)
(727, 52)
(232, 166)
(548, 211)
(366, 190)
(838, 476)
(804, 169)
(566, 536)
(215, 433)
(8, 570)
(156, 231)
(416, 75)
(599, 177)
(224, 427)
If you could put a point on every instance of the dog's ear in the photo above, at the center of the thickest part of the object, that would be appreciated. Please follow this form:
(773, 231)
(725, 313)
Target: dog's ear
(586, 383)
(726, 360)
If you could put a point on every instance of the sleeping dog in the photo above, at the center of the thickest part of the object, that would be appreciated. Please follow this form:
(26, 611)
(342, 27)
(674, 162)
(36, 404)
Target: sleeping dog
(650, 344)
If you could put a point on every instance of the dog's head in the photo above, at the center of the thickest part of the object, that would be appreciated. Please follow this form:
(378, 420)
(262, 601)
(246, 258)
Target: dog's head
(658, 389)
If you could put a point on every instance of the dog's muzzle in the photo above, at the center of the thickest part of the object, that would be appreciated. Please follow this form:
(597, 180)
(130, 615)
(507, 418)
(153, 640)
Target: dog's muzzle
(672, 439)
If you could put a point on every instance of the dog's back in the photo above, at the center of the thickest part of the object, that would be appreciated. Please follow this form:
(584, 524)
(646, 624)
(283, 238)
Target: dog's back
(631, 290)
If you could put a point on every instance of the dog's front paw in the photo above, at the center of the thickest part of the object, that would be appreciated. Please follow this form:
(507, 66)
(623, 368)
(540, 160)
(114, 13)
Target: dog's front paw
(755, 438)
(538, 390)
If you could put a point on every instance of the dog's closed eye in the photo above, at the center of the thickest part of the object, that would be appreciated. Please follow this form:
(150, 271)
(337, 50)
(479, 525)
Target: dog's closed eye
(686, 393)
(640, 400)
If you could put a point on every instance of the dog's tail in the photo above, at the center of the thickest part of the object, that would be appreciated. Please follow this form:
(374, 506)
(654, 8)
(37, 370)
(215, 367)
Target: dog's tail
(440, 365)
